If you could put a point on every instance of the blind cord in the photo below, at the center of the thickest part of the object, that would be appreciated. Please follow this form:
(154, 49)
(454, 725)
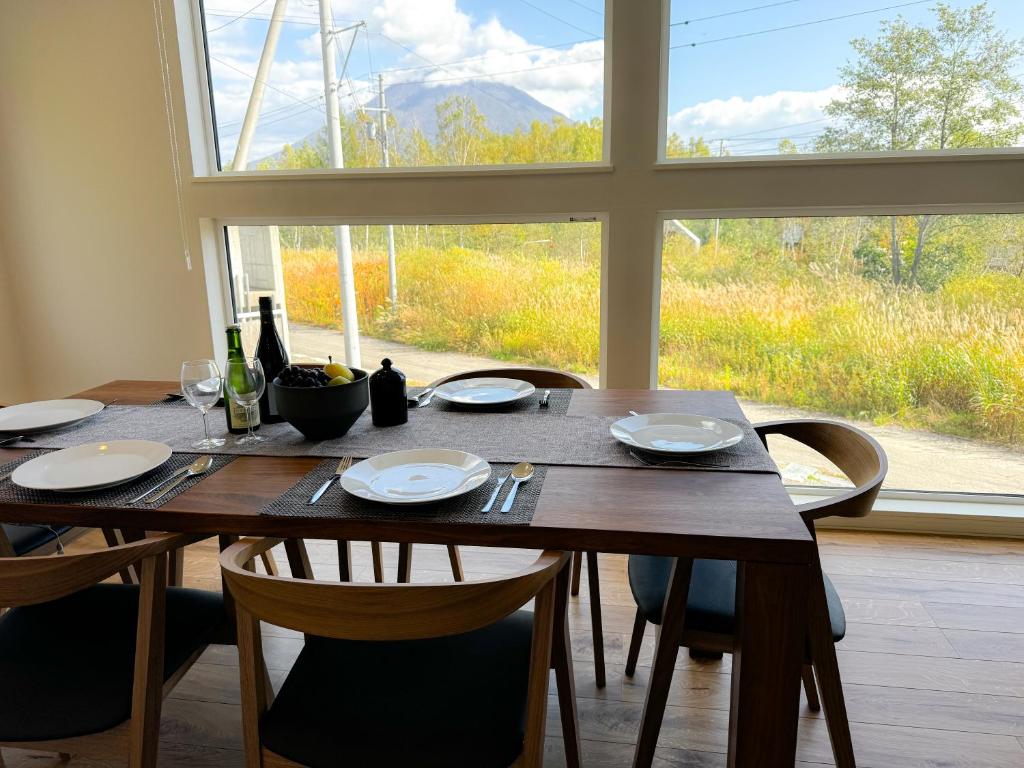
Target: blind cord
(172, 131)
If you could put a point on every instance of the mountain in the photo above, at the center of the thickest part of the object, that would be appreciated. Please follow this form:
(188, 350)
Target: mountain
(504, 107)
(414, 105)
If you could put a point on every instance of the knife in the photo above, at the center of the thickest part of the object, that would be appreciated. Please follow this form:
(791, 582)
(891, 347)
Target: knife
(343, 465)
(494, 496)
(422, 399)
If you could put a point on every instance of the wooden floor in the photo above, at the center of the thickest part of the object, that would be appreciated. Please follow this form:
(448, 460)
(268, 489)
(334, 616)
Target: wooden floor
(933, 661)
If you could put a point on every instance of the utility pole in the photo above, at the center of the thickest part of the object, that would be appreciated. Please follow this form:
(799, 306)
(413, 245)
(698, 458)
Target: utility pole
(252, 110)
(718, 222)
(343, 241)
(385, 161)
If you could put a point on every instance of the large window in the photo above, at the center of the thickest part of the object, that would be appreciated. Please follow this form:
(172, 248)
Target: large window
(911, 327)
(585, 250)
(405, 83)
(460, 296)
(829, 76)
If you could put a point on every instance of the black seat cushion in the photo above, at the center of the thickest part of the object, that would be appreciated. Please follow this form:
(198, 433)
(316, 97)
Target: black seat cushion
(448, 701)
(711, 603)
(66, 667)
(28, 538)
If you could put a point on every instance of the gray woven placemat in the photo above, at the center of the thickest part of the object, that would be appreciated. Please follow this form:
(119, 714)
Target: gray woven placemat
(338, 504)
(118, 496)
(558, 404)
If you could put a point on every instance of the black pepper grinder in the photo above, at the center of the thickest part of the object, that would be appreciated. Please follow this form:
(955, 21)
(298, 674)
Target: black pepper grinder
(388, 404)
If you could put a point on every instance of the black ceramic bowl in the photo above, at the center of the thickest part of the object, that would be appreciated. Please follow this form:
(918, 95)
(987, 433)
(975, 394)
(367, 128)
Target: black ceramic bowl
(321, 413)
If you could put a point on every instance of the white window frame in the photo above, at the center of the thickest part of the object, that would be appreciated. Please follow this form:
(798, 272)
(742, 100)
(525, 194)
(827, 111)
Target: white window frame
(631, 191)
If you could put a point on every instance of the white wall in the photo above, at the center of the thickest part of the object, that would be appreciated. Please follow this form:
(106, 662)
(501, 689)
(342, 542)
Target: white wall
(88, 224)
(13, 382)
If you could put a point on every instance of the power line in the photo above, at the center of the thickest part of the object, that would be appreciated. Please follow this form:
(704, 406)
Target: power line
(267, 113)
(587, 8)
(795, 26)
(242, 16)
(308, 21)
(556, 18)
(268, 85)
(280, 118)
(767, 130)
(733, 13)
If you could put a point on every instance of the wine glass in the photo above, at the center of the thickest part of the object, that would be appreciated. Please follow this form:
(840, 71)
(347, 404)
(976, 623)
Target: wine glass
(245, 383)
(201, 384)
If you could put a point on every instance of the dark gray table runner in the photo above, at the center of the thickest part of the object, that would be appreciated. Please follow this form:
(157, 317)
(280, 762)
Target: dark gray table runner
(497, 437)
(118, 496)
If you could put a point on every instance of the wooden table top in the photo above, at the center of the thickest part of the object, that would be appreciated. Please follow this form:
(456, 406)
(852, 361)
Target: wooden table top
(685, 513)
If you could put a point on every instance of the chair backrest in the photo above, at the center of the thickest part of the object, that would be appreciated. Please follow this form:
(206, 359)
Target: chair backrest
(387, 612)
(539, 377)
(30, 579)
(373, 611)
(855, 453)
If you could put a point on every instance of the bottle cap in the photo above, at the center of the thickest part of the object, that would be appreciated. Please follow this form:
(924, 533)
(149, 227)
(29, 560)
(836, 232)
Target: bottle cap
(266, 302)
(385, 363)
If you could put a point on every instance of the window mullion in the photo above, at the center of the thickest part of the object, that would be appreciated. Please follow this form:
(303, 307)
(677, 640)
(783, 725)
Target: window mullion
(631, 263)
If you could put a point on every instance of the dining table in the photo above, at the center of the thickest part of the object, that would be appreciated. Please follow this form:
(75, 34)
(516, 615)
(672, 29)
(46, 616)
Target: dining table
(686, 514)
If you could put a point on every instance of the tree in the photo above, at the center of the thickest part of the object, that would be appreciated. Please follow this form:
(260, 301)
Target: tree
(948, 86)
(694, 147)
(461, 131)
(788, 147)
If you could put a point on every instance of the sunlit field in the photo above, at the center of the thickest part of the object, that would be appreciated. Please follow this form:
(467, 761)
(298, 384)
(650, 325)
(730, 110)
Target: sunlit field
(778, 326)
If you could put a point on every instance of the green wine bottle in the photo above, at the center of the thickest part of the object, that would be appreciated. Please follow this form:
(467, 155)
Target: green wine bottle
(236, 415)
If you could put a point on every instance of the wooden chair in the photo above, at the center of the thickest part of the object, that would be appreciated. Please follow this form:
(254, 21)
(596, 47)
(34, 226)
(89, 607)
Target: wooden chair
(18, 540)
(84, 666)
(404, 674)
(542, 378)
(710, 621)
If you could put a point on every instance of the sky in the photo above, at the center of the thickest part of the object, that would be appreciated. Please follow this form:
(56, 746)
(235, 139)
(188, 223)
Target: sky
(742, 73)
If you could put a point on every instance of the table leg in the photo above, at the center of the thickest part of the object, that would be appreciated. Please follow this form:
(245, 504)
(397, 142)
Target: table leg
(594, 582)
(176, 567)
(673, 615)
(114, 539)
(298, 559)
(345, 560)
(771, 604)
(378, 562)
(404, 563)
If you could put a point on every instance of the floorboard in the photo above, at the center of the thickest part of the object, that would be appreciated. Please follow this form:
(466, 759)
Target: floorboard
(933, 661)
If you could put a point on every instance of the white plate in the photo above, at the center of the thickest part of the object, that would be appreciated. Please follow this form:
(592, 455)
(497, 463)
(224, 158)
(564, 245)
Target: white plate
(91, 466)
(416, 476)
(675, 433)
(29, 418)
(484, 391)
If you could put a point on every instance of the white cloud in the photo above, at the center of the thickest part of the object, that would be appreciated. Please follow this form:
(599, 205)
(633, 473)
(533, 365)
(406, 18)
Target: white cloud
(419, 32)
(436, 31)
(756, 125)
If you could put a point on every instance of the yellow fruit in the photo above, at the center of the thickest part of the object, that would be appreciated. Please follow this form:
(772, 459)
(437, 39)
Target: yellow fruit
(337, 381)
(335, 370)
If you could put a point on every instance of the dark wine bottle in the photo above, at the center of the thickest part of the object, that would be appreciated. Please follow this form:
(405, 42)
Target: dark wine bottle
(238, 419)
(271, 353)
